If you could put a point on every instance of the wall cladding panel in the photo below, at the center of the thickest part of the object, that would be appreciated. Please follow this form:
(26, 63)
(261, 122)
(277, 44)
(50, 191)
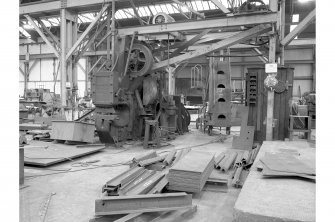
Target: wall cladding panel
(35, 74)
(305, 86)
(35, 49)
(81, 74)
(47, 70)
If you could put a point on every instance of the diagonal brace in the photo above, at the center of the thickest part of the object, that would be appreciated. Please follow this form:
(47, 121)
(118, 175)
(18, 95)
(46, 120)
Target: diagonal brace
(257, 30)
(221, 6)
(300, 27)
(55, 39)
(190, 42)
(189, 8)
(46, 40)
(85, 33)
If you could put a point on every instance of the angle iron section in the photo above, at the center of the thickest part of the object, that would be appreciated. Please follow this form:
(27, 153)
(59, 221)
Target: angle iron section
(142, 203)
(143, 176)
(151, 160)
(145, 185)
(169, 157)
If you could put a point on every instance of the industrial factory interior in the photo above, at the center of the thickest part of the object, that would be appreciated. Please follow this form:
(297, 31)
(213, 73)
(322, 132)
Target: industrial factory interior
(167, 110)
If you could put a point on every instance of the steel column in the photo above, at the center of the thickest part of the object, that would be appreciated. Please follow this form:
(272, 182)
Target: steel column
(272, 59)
(63, 57)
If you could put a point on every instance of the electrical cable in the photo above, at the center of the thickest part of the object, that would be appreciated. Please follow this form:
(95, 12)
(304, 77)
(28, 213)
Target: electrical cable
(94, 167)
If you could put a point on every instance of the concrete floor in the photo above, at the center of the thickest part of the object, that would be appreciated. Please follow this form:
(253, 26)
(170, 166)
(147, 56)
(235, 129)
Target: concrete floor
(76, 191)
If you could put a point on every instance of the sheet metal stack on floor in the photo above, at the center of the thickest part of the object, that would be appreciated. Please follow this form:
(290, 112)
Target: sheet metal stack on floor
(138, 190)
(191, 172)
(286, 165)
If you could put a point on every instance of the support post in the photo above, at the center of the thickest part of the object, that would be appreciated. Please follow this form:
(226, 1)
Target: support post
(211, 87)
(272, 59)
(63, 58)
(26, 73)
(109, 14)
(172, 81)
(282, 31)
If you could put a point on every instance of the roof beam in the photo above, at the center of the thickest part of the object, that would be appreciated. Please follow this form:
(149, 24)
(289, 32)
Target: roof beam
(221, 6)
(233, 21)
(189, 8)
(190, 42)
(257, 30)
(87, 30)
(46, 40)
(301, 27)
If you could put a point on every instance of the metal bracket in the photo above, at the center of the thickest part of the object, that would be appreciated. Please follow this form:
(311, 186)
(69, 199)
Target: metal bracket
(63, 4)
(274, 122)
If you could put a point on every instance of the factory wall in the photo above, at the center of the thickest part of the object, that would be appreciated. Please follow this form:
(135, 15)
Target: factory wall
(42, 73)
(300, 59)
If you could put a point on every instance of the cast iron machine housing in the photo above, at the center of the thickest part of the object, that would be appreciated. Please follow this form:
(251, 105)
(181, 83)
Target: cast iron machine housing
(124, 100)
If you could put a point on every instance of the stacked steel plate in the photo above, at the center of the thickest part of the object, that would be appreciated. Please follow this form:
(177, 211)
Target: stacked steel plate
(191, 172)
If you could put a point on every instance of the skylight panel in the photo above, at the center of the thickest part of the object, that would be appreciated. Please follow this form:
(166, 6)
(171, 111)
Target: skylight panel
(165, 9)
(205, 6)
(24, 32)
(153, 9)
(194, 5)
(46, 23)
(142, 11)
(146, 8)
(199, 6)
(158, 9)
(174, 10)
(211, 5)
(123, 14)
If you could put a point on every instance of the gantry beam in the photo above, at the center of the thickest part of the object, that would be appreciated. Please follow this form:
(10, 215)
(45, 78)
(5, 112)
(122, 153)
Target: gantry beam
(45, 39)
(87, 30)
(257, 30)
(233, 21)
(301, 27)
